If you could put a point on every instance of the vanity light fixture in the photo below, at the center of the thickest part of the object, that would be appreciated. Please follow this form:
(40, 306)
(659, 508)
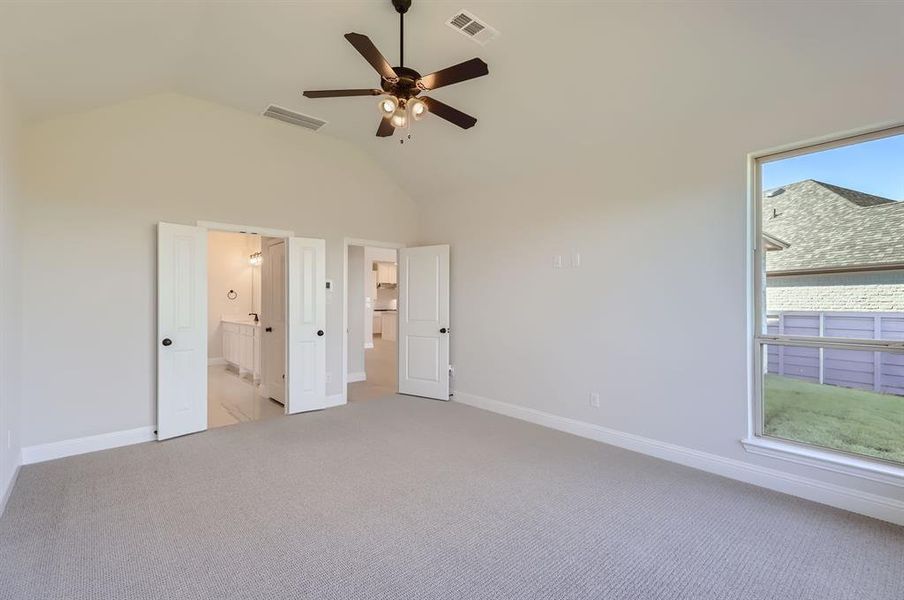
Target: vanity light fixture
(256, 259)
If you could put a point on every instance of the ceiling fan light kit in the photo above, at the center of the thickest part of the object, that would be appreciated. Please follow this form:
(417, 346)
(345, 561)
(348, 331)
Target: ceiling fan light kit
(400, 87)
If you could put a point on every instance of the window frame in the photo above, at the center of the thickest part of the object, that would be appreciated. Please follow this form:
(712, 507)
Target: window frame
(756, 442)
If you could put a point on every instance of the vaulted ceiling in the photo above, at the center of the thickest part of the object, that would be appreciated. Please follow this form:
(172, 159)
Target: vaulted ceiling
(570, 82)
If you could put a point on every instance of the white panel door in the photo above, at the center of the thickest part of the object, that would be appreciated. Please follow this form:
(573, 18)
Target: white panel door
(273, 319)
(181, 330)
(424, 321)
(306, 360)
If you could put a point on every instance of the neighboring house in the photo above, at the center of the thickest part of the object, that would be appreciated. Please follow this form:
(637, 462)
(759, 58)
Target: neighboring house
(832, 249)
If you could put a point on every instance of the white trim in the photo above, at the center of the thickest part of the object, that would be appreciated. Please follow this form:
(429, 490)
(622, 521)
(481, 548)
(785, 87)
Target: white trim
(249, 229)
(8, 491)
(345, 244)
(356, 377)
(827, 460)
(873, 505)
(93, 443)
(807, 341)
(215, 362)
(827, 142)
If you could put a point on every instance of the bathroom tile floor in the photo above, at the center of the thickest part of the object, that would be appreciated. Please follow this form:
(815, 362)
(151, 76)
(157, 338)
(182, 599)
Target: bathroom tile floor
(232, 399)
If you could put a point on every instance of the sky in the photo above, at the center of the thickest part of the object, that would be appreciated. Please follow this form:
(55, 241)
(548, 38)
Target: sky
(875, 167)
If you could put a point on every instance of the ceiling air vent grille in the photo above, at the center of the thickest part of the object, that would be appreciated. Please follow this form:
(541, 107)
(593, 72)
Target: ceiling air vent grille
(470, 26)
(288, 116)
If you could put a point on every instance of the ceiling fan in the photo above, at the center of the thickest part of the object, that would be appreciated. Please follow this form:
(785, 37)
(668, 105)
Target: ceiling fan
(401, 86)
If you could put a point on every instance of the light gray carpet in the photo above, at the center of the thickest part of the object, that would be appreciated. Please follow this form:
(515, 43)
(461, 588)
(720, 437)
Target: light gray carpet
(409, 498)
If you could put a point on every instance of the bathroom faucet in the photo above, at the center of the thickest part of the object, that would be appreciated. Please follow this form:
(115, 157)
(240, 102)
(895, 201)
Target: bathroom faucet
(256, 317)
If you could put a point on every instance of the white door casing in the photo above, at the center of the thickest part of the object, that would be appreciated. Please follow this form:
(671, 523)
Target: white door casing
(424, 321)
(181, 330)
(306, 359)
(273, 318)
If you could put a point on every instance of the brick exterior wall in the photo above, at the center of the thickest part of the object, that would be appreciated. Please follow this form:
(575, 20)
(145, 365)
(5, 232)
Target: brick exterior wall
(880, 291)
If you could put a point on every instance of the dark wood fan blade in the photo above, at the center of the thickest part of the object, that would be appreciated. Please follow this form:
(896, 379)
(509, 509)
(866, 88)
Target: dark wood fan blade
(370, 53)
(385, 129)
(340, 93)
(455, 74)
(453, 115)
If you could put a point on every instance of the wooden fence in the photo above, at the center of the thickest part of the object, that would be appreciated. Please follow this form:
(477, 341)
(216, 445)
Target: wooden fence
(863, 369)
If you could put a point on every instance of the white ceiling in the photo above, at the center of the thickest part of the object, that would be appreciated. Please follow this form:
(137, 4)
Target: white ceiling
(570, 82)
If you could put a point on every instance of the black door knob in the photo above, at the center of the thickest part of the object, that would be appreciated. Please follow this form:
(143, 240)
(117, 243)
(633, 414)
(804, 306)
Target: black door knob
(319, 332)
(268, 329)
(443, 330)
(167, 342)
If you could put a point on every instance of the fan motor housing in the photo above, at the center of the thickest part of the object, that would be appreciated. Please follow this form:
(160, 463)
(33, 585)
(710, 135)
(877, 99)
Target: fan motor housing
(406, 87)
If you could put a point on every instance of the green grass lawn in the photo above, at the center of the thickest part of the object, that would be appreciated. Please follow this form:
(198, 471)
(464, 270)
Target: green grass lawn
(835, 417)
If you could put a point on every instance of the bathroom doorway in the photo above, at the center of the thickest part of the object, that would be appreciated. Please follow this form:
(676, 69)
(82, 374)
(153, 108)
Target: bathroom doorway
(246, 328)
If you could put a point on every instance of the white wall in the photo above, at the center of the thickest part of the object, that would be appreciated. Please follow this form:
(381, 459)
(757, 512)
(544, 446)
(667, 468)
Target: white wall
(228, 268)
(10, 294)
(661, 228)
(356, 281)
(98, 182)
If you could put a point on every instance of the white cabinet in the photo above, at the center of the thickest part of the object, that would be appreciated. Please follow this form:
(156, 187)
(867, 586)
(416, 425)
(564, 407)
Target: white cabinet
(378, 323)
(390, 326)
(242, 346)
(385, 323)
(387, 273)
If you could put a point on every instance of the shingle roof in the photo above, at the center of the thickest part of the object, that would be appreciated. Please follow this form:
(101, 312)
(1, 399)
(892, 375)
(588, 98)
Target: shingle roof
(831, 227)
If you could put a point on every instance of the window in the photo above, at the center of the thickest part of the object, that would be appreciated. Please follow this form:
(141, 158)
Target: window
(829, 298)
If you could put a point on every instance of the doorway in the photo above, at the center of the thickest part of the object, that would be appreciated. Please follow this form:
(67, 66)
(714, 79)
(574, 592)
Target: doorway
(297, 301)
(414, 333)
(372, 308)
(245, 328)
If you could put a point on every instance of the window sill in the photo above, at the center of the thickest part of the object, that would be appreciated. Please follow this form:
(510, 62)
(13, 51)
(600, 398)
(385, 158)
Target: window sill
(826, 460)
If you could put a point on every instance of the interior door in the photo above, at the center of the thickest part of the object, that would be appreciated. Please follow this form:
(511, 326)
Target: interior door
(273, 319)
(181, 330)
(424, 321)
(306, 360)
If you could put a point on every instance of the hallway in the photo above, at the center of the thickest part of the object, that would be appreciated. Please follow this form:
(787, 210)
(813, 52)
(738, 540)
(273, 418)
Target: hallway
(381, 365)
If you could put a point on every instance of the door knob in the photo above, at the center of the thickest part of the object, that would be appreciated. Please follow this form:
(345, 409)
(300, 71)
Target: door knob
(443, 330)
(319, 332)
(167, 342)
(268, 329)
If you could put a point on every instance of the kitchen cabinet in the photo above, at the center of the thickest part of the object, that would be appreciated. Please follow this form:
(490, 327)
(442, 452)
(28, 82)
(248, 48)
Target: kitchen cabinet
(242, 346)
(390, 325)
(387, 273)
(378, 323)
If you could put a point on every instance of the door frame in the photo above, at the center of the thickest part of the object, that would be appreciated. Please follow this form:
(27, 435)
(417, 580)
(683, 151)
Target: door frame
(262, 232)
(247, 229)
(346, 243)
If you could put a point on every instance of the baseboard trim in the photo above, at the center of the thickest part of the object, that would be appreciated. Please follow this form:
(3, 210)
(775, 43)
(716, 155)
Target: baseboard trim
(93, 443)
(8, 490)
(215, 362)
(356, 377)
(873, 505)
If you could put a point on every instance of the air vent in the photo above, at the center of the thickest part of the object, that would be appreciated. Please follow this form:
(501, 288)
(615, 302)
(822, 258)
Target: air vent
(472, 27)
(288, 116)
